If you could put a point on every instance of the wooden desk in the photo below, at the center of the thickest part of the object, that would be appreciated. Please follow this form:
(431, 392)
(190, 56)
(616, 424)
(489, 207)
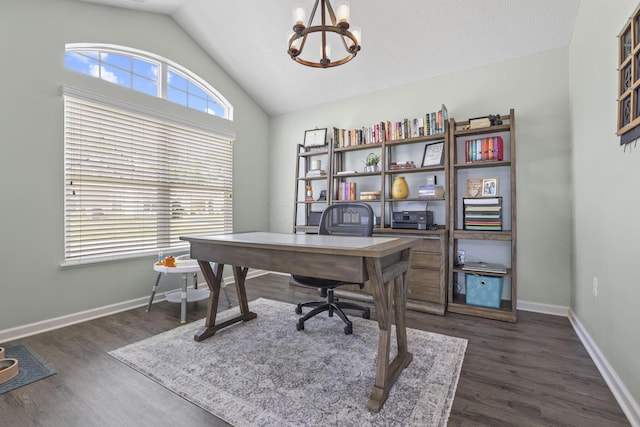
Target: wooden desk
(383, 261)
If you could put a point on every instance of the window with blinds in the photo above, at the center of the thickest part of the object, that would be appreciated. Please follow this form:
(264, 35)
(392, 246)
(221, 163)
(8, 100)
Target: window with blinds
(135, 183)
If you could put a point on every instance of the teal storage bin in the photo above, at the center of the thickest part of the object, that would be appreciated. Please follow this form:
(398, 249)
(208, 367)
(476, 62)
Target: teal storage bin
(485, 291)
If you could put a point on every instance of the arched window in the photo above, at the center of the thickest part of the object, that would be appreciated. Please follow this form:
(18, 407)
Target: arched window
(137, 179)
(147, 73)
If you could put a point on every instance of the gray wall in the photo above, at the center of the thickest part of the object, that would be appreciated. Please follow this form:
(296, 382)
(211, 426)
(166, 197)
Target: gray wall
(606, 241)
(537, 87)
(33, 34)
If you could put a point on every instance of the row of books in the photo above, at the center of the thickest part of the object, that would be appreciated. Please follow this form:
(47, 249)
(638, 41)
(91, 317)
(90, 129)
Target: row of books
(483, 213)
(346, 191)
(483, 149)
(433, 123)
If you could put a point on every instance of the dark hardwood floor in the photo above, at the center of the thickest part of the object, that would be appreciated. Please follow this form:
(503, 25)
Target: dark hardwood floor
(532, 373)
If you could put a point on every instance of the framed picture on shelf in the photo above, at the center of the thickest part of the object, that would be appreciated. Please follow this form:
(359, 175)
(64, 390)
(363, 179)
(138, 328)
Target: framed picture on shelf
(315, 137)
(489, 187)
(433, 154)
(474, 187)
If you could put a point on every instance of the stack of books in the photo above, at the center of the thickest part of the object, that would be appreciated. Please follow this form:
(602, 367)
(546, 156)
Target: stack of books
(430, 192)
(314, 173)
(370, 195)
(483, 213)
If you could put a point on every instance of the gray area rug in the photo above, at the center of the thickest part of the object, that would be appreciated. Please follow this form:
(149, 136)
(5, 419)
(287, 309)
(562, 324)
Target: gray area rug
(266, 373)
(31, 367)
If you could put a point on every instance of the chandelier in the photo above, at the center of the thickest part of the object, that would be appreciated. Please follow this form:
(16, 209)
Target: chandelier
(322, 37)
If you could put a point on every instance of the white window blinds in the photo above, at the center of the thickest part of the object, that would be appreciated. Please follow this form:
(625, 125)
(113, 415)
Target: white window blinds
(135, 183)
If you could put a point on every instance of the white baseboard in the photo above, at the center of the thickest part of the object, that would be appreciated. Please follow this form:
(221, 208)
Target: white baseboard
(83, 316)
(555, 310)
(620, 392)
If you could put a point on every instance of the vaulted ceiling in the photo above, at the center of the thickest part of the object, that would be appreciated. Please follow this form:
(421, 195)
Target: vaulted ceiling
(403, 41)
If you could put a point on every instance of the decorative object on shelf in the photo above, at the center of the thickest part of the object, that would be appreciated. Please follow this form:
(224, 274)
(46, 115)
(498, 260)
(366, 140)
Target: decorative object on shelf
(399, 189)
(315, 137)
(337, 33)
(370, 195)
(316, 164)
(371, 162)
(485, 122)
(309, 194)
(431, 192)
(489, 187)
(433, 154)
(474, 187)
(402, 165)
(323, 196)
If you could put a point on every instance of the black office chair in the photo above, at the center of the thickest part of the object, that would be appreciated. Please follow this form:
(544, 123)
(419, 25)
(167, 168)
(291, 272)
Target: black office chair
(345, 219)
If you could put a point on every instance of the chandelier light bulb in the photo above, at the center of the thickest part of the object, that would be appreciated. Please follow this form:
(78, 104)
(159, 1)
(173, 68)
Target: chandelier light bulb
(357, 33)
(299, 14)
(342, 12)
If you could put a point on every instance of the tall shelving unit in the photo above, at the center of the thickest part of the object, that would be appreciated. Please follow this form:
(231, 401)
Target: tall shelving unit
(480, 245)
(307, 212)
(427, 283)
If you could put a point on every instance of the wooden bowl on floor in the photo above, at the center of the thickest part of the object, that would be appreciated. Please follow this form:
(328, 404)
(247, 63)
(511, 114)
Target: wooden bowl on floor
(8, 369)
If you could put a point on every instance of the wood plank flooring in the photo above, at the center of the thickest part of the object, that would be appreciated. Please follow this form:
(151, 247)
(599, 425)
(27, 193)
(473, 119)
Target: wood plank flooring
(532, 373)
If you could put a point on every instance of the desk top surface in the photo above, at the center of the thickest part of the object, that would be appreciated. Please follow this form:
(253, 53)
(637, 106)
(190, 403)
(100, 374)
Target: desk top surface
(347, 245)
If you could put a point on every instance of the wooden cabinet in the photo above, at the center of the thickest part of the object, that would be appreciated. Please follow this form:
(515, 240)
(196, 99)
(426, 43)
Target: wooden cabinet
(483, 245)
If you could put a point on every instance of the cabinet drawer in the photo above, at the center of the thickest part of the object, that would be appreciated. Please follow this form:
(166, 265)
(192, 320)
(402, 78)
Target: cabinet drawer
(428, 245)
(426, 260)
(425, 291)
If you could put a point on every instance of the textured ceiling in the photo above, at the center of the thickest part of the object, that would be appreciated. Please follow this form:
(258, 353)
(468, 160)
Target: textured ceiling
(403, 41)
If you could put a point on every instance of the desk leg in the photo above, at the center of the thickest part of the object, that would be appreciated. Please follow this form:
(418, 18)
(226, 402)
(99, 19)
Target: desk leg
(214, 281)
(389, 287)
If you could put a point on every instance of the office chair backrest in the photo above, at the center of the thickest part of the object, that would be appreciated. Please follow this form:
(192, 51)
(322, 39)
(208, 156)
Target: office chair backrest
(347, 219)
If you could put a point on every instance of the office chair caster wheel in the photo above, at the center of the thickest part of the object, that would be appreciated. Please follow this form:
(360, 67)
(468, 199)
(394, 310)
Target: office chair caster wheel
(348, 330)
(366, 314)
(298, 310)
(300, 325)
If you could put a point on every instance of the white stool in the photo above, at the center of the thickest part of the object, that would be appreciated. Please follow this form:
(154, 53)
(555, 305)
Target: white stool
(185, 267)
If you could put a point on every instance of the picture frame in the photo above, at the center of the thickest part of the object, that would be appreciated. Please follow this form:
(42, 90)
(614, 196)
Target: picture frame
(489, 187)
(433, 154)
(315, 137)
(474, 187)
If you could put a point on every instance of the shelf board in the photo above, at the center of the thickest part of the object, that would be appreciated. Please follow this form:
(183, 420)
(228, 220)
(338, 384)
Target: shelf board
(425, 138)
(483, 273)
(303, 202)
(416, 199)
(415, 170)
(314, 153)
(490, 129)
(412, 231)
(483, 164)
(354, 201)
(358, 147)
(504, 313)
(307, 229)
(482, 235)
(313, 178)
(355, 174)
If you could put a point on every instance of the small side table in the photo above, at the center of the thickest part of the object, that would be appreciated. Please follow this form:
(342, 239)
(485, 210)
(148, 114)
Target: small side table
(186, 268)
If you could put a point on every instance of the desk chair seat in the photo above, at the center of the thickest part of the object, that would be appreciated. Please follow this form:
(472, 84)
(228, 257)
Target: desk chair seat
(345, 219)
